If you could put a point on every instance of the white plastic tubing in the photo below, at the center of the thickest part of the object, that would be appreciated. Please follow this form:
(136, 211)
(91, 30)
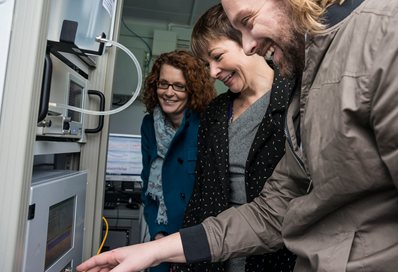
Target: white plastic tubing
(134, 95)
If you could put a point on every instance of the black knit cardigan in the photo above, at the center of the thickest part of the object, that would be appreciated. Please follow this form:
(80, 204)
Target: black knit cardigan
(211, 194)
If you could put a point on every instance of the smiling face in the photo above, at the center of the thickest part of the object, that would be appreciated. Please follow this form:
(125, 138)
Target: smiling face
(229, 63)
(173, 103)
(265, 24)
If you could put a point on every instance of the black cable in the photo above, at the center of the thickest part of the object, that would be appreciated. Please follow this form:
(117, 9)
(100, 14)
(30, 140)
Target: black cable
(138, 36)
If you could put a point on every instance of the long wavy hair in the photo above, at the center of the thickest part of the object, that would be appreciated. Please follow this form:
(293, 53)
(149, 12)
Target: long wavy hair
(199, 84)
(307, 14)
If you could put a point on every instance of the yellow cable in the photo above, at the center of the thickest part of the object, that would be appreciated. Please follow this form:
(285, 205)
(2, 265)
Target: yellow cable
(105, 236)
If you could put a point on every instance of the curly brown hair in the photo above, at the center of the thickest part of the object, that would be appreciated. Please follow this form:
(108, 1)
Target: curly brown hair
(213, 25)
(199, 85)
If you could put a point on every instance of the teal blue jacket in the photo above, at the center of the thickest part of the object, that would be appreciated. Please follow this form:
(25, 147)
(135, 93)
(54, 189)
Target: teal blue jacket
(178, 173)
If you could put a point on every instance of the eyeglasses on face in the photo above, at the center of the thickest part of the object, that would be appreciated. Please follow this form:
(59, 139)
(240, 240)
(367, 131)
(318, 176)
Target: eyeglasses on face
(162, 84)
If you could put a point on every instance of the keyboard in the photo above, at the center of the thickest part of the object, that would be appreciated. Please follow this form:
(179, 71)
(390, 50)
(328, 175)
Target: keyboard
(110, 205)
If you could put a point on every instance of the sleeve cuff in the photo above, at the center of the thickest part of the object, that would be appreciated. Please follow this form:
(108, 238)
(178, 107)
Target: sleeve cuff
(195, 244)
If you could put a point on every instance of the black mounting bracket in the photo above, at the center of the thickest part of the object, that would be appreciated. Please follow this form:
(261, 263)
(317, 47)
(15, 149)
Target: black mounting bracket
(67, 44)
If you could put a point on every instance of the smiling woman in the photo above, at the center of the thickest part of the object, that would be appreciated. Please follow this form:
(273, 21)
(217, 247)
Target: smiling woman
(232, 170)
(176, 91)
(172, 101)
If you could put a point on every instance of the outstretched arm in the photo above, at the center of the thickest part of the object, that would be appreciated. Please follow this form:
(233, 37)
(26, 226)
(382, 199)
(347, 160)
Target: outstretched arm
(137, 257)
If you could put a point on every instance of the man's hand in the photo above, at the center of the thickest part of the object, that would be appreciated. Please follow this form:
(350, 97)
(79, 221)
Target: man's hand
(136, 257)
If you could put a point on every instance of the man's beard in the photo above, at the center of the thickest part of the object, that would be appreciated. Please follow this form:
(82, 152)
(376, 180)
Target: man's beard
(292, 63)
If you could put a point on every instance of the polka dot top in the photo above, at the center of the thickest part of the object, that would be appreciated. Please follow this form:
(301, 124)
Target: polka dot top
(212, 190)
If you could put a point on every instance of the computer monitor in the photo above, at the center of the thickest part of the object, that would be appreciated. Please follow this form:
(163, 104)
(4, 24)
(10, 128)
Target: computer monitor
(54, 240)
(124, 159)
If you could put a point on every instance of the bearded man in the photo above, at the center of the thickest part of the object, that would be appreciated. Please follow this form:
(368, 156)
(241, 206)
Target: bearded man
(333, 198)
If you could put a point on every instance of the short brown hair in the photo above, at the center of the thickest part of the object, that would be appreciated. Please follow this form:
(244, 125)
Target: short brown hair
(199, 85)
(212, 25)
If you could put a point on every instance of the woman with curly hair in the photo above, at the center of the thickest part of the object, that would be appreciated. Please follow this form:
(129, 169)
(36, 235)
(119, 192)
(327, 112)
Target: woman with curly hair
(176, 91)
(336, 209)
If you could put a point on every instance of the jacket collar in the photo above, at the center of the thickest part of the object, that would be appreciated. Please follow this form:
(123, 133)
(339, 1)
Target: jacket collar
(336, 13)
(282, 90)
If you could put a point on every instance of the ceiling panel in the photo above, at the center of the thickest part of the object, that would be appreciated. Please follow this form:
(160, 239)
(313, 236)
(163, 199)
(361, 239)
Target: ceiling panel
(183, 12)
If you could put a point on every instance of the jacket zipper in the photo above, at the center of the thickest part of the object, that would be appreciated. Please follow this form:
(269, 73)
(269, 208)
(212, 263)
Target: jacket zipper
(297, 158)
